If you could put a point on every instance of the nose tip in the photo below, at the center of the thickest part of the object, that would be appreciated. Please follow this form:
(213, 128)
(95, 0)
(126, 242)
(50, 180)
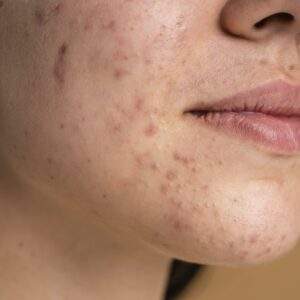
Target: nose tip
(259, 19)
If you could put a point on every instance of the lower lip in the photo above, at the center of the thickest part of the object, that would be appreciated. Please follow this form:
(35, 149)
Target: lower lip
(278, 134)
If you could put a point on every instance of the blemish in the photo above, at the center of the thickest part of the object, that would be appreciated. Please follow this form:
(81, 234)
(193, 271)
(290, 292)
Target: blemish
(110, 26)
(62, 126)
(176, 203)
(1, 3)
(52, 177)
(120, 73)
(154, 166)
(139, 103)
(26, 133)
(20, 244)
(44, 16)
(150, 130)
(283, 237)
(164, 189)
(181, 158)
(171, 175)
(59, 66)
(119, 55)
(88, 160)
(104, 196)
(253, 239)
(49, 160)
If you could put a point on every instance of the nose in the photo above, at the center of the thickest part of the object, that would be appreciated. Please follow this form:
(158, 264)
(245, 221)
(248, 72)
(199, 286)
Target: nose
(260, 19)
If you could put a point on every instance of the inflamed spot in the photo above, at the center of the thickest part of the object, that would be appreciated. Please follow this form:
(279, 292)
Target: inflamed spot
(151, 130)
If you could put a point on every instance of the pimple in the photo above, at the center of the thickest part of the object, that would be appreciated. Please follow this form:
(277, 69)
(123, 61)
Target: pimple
(151, 130)
(139, 103)
(59, 66)
(120, 56)
(177, 203)
(120, 73)
(171, 175)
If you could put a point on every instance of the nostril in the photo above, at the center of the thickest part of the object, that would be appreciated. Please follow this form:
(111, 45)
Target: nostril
(282, 17)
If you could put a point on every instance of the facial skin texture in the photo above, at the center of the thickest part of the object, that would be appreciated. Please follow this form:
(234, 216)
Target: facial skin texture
(95, 149)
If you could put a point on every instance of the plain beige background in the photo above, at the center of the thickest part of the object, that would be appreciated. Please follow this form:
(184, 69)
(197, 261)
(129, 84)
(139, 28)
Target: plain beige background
(279, 280)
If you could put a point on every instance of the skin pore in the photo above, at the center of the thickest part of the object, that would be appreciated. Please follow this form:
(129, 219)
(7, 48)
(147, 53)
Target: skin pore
(103, 180)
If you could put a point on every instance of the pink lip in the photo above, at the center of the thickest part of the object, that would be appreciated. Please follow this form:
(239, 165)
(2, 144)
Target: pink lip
(269, 116)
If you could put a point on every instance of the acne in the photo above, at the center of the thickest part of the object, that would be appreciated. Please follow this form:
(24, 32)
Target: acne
(49, 160)
(139, 104)
(62, 126)
(164, 189)
(43, 16)
(1, 3)
(120, 73)
(253, 239)
(171, 175)
(60, 64)
(151, 130)
(183, 159)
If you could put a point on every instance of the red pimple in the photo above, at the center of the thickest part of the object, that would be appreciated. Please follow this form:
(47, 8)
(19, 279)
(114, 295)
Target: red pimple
(110, 26)
(253, 239)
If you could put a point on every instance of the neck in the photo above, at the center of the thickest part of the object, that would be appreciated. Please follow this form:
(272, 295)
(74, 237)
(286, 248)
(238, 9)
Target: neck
(48, 253)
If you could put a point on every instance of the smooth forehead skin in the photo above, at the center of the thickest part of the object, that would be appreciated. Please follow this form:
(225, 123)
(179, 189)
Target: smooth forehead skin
(92, 96)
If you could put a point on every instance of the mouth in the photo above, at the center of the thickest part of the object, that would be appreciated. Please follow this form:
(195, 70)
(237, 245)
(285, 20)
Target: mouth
(268, 116)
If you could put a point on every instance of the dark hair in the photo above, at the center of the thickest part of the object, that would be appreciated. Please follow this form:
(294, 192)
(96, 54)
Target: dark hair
(181, 274)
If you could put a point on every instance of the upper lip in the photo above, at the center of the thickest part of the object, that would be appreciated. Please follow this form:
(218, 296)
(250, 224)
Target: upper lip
(277, 98)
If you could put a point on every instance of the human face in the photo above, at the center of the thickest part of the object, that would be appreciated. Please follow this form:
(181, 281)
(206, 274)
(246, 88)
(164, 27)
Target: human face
(93, 95)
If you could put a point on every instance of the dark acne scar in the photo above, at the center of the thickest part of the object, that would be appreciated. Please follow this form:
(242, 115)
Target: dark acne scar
(42, 17)
(1, 3)
(59, 66)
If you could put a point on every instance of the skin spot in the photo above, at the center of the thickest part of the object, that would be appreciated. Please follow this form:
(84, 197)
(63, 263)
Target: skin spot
(20, 244)
(62, 126)
(151, 130)
(171, 175)
(164, 189)
(26, 133)
(283, 237)
(139, 104)
(253, 239)
(231, 245)
(153, 166)
(243, 254)
(49, 160)
(119, 56)
(59, 66)
(291, 67)
(178, 157)
(1, 4)
(52, 177)
(176, 203)
(110, 26)
(120, 73)
(24, 157)
(42, 17)
(104, 196)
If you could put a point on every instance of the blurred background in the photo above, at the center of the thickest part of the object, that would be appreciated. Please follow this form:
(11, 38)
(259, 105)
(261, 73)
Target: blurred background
(279, 280)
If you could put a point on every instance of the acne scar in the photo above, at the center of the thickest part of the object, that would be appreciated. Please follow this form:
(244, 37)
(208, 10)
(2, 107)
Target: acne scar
(62, 126)
(59, 66)
(1, 3)
(164, 189)
(150, 130)
(120, 73)
(139, 103)
(171, 175)
(42, 17)
(110, 26)
(49, 160)
(253, 239)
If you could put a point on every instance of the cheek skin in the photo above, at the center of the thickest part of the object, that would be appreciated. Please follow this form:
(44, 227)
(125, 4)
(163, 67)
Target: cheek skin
(137, 145)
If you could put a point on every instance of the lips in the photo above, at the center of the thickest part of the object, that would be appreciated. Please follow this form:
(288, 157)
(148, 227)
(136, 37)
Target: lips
(268, 116)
